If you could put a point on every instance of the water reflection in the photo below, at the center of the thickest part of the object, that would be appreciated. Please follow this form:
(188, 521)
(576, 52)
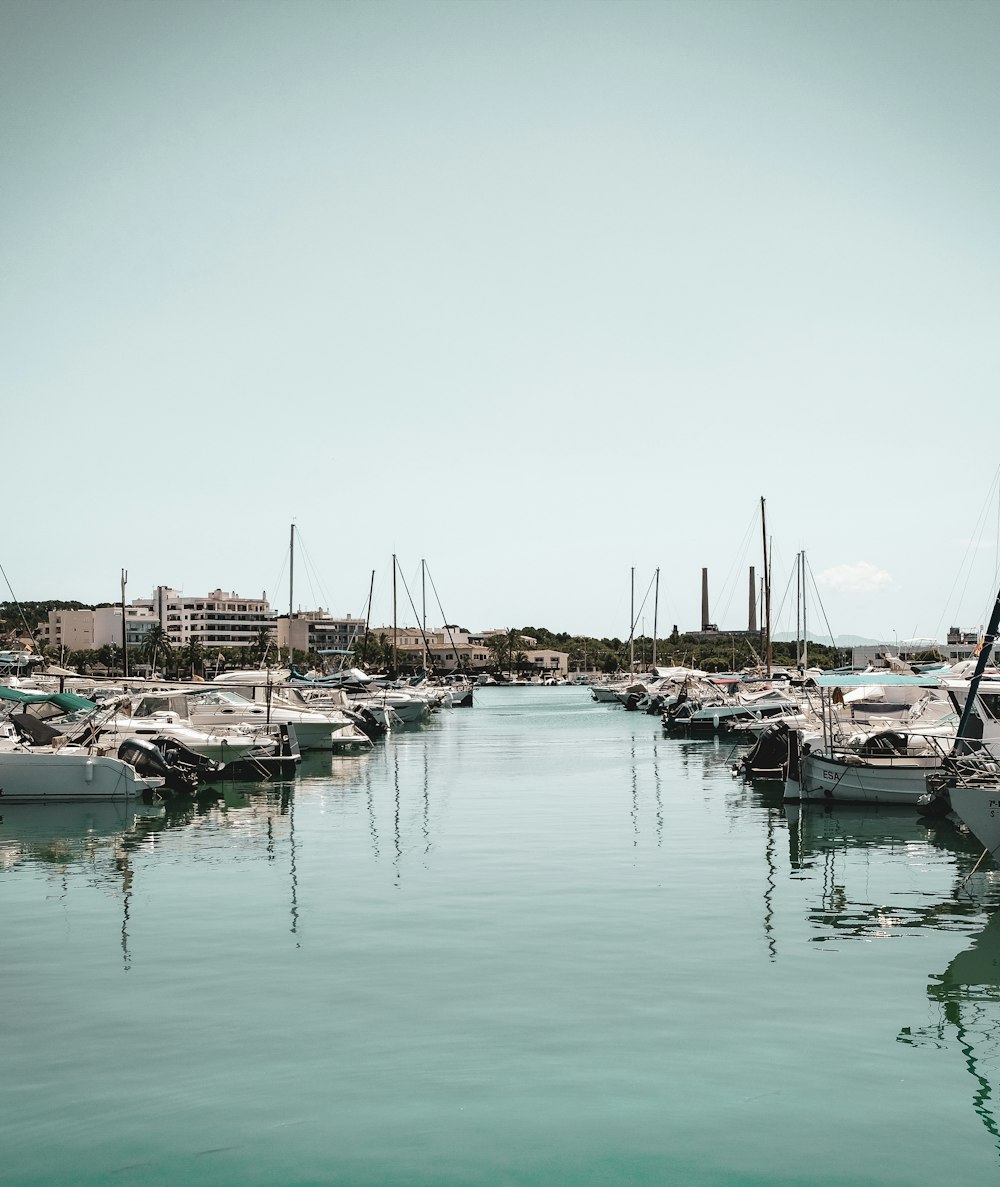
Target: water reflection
(873, 861)
(63, 835)
(643, 765)
(966, 999)
(94, 839)
(99, 842)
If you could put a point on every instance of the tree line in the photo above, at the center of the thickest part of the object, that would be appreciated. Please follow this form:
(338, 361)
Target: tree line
(507, 650)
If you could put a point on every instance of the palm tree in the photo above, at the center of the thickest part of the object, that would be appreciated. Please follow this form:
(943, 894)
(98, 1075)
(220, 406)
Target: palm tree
(194, 654)
(498, 651)
(262, 643)
(513, 638)
(157, 641)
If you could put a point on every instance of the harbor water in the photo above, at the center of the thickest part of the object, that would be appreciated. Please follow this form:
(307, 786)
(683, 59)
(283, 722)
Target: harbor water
(531, 942)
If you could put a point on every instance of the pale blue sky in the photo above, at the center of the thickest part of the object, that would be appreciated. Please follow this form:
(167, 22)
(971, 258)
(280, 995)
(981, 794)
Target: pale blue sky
(539, 292)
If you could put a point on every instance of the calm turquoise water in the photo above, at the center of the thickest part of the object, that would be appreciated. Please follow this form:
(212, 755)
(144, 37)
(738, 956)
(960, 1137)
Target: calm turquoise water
(534, 942)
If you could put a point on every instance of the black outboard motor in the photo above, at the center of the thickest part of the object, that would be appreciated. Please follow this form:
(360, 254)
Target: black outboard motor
(768, 757)
(144, 756)
(181, 769)
(367, 722)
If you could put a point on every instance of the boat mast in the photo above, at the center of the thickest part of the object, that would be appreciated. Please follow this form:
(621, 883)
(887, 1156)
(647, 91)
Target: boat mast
(656, 611)
(798, 609)
(395, 662)
(962, 746)
(291, 588)
(124, 630)
(805, 628)
(631, 629)
(423, 607)
(767, 589)
(368, 617)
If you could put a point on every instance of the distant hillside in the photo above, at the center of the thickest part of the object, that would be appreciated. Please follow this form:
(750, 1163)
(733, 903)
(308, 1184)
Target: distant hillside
(839, 641)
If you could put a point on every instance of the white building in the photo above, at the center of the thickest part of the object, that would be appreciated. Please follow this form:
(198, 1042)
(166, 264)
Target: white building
(316, 630)
(89, 630)
(217, 619)
(452, 647)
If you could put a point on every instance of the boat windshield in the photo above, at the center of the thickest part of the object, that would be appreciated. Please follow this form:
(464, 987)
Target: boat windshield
(219, 697)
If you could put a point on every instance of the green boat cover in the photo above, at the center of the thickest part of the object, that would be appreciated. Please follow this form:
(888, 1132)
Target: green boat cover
(67, 701)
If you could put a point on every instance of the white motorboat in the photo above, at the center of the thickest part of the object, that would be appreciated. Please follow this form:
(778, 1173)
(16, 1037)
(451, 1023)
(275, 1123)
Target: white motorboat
(53, 775)
(269, 705)
(223, 744)
(38, 764)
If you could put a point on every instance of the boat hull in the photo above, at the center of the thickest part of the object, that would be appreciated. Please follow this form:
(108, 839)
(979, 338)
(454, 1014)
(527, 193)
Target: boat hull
(30, 777)
(979, 809)
(824, 778)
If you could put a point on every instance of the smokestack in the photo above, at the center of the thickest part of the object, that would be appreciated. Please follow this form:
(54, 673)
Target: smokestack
(752, 627)
(704, 600)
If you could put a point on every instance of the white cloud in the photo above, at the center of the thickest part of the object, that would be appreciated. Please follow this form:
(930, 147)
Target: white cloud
(861, 577)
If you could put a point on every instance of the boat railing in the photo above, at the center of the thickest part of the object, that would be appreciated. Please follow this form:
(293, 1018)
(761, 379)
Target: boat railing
(981, 769)
(931, 750)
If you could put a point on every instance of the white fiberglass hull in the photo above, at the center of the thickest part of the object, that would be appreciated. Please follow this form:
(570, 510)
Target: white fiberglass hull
(888, 782)
(218, 747)
(979, 809)
(313, 732)
(28, 776)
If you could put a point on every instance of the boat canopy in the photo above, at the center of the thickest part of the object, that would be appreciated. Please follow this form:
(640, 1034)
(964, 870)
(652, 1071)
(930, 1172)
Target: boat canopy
(879, 679)
(68, 702)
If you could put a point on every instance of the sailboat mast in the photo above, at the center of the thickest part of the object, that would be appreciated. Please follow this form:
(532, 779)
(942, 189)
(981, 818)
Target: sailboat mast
(631, 631)
(395, 661)
(124, 628)
(656, 611)
(291, 572)
(798, 609)
(368, 616)
(291, 588)
(767, 588)
(805, 628)
(962, 746)
(423, 607)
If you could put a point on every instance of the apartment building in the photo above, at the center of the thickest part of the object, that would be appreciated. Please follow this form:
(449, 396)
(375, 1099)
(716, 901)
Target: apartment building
(317, 630)
(216, 619)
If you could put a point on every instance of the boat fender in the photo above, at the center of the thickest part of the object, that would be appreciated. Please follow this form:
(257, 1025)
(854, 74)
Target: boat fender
(88, 771)
(715, 721)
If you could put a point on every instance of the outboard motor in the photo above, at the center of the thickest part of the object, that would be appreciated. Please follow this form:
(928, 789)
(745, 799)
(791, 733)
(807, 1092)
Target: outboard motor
(767, 758)
(163, 758)
(144, 756)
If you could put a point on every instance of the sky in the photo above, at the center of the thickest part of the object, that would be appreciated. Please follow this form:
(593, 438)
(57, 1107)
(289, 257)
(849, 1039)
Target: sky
(546, 295)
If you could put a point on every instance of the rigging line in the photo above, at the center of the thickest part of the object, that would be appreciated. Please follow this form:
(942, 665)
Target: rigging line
(280, 580)
(17, 604)
(311, 574)
(970, 550)
(420, 625)
(444, 619)
(815, 587)
(638, 616)
(776, 618)
(631, 635)
(729, 586)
